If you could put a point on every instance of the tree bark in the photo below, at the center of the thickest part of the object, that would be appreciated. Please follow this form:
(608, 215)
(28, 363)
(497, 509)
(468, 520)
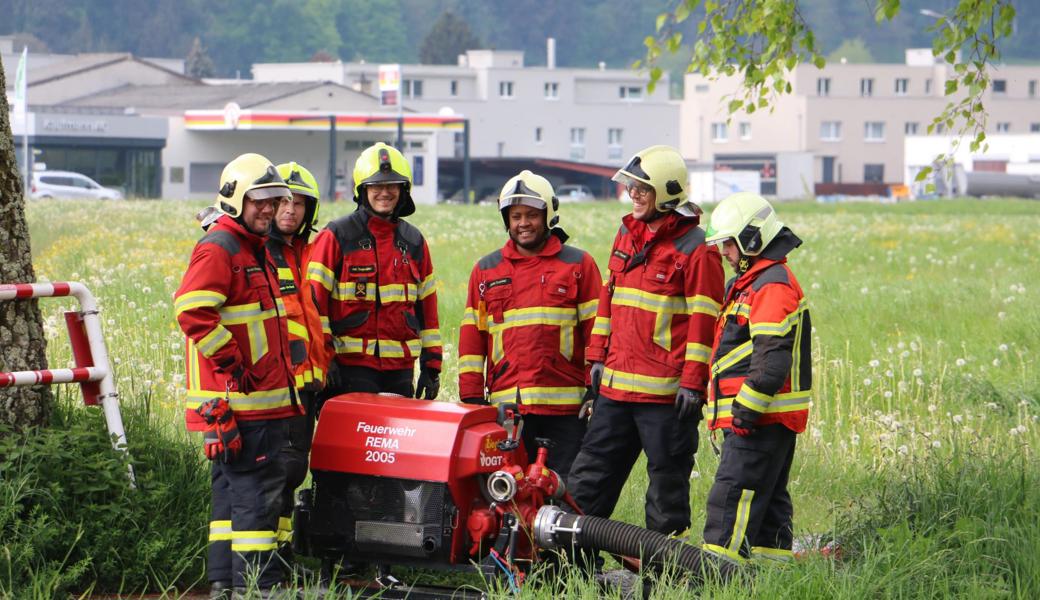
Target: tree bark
(22, 343)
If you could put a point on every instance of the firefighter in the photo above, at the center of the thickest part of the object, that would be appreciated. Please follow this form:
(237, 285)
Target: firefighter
(295, 219)
(240, 388)
(761, 381)
(528, 317)
(373, 281)
(649, 347)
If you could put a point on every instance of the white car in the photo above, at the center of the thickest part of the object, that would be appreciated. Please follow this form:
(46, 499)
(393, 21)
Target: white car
(66, 184)
(574, 193)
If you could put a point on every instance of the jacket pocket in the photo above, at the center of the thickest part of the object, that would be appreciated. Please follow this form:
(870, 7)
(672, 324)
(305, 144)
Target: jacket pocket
(352, 321)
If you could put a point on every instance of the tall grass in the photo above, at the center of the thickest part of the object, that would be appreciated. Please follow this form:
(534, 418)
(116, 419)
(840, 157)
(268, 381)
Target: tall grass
(920, 453)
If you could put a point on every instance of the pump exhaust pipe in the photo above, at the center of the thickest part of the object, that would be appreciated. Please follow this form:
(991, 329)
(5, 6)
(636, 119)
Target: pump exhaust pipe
(556, 529)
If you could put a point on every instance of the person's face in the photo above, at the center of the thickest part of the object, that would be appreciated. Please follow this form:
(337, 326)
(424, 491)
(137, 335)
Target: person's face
(644, 199)
(258, 214)
(289, 215)
(527, 227)
(383, 197)
(731, 251)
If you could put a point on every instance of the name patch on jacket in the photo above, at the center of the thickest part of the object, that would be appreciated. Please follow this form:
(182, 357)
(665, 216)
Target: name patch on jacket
(498, 282)
(251, 270)
(363, 269)
(622, 255)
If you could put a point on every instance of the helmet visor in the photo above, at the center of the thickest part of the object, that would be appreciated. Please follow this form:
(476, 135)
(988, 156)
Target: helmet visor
(537, 203)
(274, 191)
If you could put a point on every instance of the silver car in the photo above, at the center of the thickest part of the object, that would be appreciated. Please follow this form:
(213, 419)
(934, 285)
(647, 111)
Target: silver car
(66, 184)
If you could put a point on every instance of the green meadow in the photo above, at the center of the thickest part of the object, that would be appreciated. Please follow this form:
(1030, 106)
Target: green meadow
(920, 457)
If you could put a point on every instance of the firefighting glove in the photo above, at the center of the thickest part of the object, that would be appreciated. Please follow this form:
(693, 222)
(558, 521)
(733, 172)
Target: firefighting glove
(587, 403)
(474, 400)
(743, 422)
(429, 383)
(595, 376)
(221, 440)
(688, 404)
(243, 380)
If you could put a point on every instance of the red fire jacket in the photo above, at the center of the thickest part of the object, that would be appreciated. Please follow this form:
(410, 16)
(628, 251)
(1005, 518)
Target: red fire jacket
(306, 339)
(657, 311)
(373, 282)
(762, 355)
(526, 324)
(229, 308)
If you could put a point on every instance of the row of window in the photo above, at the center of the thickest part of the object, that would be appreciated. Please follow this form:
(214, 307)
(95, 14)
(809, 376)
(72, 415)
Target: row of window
(413, 88)
(902, 87)
(830, 131)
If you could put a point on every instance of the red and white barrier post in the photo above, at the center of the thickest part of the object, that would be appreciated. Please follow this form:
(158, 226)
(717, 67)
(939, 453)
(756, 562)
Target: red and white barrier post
(92, 370)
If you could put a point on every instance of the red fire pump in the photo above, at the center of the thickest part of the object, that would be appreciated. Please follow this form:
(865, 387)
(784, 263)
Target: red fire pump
(398, 481)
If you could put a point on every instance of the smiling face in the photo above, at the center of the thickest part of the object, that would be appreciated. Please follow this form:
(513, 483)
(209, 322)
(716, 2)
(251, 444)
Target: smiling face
(257, 215)
(644, 201)
(527, 228)
(383, 198)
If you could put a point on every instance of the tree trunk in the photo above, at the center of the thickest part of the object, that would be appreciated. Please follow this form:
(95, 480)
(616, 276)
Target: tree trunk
(22, 344)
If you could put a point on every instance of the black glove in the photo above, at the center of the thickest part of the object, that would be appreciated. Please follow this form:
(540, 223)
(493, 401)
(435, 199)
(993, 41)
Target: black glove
(688, 403)
(480, 401)
(595, 376)
(243, 380)
(744, 419)
(587, 403)
(429, 383)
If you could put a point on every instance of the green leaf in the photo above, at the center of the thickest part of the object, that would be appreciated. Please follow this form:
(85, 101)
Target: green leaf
(819, 61)
(951, 86)
(661, 20)
(734, 105)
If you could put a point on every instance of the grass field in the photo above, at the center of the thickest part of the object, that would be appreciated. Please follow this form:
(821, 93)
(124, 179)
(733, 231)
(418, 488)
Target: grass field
(921, 450)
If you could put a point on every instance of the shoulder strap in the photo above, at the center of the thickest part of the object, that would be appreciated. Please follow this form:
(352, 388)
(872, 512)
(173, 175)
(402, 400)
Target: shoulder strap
(223, 239)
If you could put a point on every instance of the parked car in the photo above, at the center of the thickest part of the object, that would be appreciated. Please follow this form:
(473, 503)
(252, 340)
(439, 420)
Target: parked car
(66, 184)
(574, 193)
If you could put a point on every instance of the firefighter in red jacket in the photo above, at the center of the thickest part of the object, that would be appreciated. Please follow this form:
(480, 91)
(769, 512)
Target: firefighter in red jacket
(374, 284)
(528, 317)
(649, 347)
(239, 372)
(295, 219)
(761, 381)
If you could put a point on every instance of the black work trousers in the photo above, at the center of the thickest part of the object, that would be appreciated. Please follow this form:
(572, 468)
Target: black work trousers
(565, 433)
(295, 457)
(246, 503)
(749, 508)
(366, 379)
(616, 434)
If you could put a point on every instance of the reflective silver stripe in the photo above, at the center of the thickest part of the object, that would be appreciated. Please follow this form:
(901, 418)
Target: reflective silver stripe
(637, 298)
(567, 342)
(428, 286)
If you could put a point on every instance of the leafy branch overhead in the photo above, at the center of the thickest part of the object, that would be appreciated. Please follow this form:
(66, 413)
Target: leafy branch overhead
(762, 41)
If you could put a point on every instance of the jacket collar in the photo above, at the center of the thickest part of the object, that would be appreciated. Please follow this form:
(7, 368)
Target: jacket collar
(670, 225)
(552, 247)
(254, 240)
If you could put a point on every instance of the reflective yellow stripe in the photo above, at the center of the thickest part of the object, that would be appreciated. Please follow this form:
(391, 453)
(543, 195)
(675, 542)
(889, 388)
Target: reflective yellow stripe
(344, 344)
(325, 328)
(322, 274)
(781, 328)
(739, 309)
(214, 340)
(601, 326)
(753, 399)
(286, 274)
(265, 400)
(471, 363)
(741, 521)
(697, 352)
(544, 396)
(285, 529)
(319, 373)
(702, 304)
(193, 367)
(219, 531)
(497, 353)
(722, 552)
(257, 340)
(567, 342)
(430, 337)
(387, 348)
(643, 300)
(587, 310)
(781, 403)
(643, 384)
(396, 292)
(469, 317)
(535, 315)
(299, 330)
(776, 554)
(732, 357)
(198, 299)
(663, 331)
(347, 290)
(427, 287)
(253, 541)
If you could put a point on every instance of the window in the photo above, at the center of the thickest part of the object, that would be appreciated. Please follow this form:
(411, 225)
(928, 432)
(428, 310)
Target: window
(454, 87)
(577, 143)
(552, 90)
(745, 130)
(1032, 88)
(902, 86)
(412, 88)
(176, 174)
(910, 128)
(1000, 86)
(505, 89)
(538, 135)
(873, 173)
(866, 87)
(1003, 127)
(614, 143)
(823, 86)
(1034, 128)
(701, 88)
(830, 131)
(630, 92)
(719, 132)
(940, 128)
(874, 131)
(927, 86)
